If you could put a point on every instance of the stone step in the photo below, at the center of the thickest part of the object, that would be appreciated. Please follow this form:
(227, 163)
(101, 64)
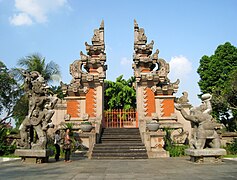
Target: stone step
(118, 154)
(124, 133)
(120, 143)
(116, 158)
(117, 147)
(121, 146)
(121, 130)
(121, 137)
(131, 150)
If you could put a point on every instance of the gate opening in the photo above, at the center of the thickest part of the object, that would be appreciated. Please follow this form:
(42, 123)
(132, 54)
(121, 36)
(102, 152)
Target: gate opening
(120, 118)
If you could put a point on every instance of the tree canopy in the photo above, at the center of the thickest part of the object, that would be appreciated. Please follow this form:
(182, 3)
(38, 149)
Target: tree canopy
(218, 76)
(120, 94)
(35, 62)
(9, 92)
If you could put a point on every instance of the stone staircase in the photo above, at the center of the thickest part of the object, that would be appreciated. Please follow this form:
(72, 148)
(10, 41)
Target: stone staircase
(120, 143)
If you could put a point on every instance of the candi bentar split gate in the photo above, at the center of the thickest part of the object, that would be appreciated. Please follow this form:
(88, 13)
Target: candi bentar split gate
(118, 134)
(155, 98)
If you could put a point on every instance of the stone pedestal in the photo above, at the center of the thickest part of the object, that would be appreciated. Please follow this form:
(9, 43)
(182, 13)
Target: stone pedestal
(154, 142)
(34, 156)
(88, 140)
(212, 155)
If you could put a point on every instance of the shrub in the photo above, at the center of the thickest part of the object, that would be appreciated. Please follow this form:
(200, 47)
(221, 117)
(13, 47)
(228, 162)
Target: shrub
(5, 147)
(7, 150)
(174, 150)
(232, 148)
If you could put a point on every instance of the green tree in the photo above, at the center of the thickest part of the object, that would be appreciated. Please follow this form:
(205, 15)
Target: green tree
(218, 76)
(34, 62)
(120, 94)
(57, 90)
(20, 110)
(9, 93)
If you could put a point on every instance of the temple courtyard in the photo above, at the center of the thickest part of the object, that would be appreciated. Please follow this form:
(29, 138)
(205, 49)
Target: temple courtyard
(80, 168)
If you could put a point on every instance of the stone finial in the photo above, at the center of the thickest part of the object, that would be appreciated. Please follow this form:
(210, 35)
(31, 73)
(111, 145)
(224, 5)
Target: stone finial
(135, 24)
(139, 35)
(155, 55)
(98, 45)
(102, 24)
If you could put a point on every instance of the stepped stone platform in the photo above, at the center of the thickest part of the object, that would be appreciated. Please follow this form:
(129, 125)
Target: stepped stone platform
(34, 156)
(212, 155)
(120, 143)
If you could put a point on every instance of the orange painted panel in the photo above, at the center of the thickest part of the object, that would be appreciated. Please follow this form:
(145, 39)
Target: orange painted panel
(146, 70)
(93, 71)
(73, 108)
(168, 107)
(90, 102)
(150, 102)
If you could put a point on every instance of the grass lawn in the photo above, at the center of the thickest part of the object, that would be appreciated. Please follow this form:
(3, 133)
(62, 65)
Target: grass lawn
(231, 156)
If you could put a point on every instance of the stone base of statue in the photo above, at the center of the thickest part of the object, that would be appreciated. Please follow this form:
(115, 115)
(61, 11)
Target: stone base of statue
(209, 155)
(34, 156)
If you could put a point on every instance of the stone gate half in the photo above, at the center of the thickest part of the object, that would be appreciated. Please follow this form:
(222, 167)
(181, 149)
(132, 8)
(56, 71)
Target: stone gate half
(85, 93)
(154, 91)
(155, 96)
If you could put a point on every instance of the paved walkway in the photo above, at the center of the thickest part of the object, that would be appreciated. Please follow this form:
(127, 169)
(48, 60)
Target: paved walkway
(164, 168)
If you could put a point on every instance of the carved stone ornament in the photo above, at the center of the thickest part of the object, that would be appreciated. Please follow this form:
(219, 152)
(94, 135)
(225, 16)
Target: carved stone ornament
(41, 106)
(85, 89)
(149, 67)
(90, 69)
(67, 117)
(204, 134)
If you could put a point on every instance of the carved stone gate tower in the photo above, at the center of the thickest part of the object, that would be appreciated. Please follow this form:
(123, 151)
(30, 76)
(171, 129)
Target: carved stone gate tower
(154, 91)
(85, 93)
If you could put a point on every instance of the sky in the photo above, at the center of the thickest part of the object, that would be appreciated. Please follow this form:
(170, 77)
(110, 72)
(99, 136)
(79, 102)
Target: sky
(183, 31)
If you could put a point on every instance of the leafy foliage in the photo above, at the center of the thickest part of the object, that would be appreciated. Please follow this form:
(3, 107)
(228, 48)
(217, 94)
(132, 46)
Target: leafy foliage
(120, 94)
(36, 62)
(20, 110)
(57, 90)
(174, 150)
(9, 92)
(218, 76)
(232, 148)
(5, 148)
(69, 126)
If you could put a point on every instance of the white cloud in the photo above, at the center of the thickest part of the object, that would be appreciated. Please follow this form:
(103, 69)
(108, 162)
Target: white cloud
(20, 19)
(125, 61)
(35, 10)
(180, 67)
